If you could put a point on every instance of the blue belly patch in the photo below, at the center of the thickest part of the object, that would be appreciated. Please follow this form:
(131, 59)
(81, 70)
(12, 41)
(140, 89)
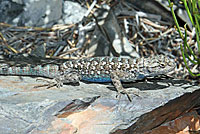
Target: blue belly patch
(97, 79)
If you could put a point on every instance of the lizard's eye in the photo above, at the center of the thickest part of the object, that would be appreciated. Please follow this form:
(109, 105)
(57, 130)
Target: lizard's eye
(162, 65)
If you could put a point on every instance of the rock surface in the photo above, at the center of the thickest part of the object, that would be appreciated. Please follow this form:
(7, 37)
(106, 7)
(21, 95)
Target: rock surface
(9, 11)
(39, 13)
(90, 108)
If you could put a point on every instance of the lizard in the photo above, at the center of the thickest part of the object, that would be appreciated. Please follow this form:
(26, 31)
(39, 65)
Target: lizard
(96, 69)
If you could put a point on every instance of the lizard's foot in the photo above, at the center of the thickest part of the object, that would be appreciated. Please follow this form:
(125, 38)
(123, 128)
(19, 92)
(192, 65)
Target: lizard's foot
(118, 85)
(50, 83)
(63, 77)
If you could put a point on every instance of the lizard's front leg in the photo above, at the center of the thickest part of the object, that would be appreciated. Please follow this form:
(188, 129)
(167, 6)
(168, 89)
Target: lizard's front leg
(115, 77)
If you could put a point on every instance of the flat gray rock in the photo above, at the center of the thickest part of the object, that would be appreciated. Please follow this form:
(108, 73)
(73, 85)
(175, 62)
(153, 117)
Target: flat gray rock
(90, 107)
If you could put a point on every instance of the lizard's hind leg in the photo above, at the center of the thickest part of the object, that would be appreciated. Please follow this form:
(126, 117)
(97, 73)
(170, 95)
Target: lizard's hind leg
(49, 83)
(69, 77)
(63, 77)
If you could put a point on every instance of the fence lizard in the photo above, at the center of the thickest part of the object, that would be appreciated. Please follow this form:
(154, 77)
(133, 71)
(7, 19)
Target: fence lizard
(96, 69)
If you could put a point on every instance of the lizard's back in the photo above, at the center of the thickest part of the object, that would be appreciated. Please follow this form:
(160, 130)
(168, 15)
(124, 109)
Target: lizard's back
(98, 69)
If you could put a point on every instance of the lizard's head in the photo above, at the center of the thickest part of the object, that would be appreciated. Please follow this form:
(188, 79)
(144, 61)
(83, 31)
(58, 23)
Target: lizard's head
(156, 65)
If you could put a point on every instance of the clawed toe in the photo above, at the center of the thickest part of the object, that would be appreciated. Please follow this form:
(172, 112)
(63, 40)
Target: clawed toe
(50, 83)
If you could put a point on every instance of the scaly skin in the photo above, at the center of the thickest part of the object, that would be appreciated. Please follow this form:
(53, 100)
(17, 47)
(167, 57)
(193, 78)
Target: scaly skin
(97, 69)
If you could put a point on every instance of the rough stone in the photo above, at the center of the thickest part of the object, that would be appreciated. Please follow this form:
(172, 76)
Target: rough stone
(72, 12)
(91, 107)
(108, 38)
(9, 10)
(40, 12)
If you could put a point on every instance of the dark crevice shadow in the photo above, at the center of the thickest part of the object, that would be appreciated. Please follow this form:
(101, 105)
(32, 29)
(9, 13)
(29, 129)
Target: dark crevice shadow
(153, 84)
(141, 86)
